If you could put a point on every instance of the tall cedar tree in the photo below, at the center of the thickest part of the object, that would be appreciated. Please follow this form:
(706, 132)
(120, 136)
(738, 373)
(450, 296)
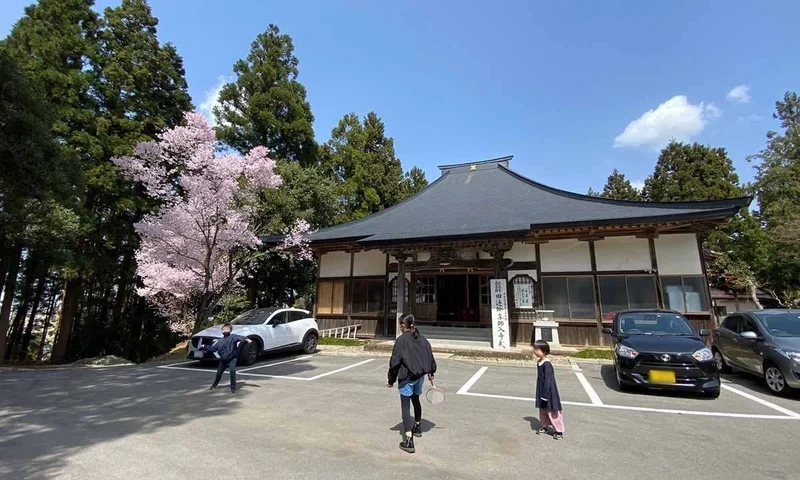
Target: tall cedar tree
(265, 104)
(111, 84)
(34, 191)
(692, 172)
(698, 172)
(53, 43)
(777, 186)
(618, 187)
(361, 159)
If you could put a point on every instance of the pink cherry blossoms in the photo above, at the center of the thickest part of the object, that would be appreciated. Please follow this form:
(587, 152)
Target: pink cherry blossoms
(194, 247)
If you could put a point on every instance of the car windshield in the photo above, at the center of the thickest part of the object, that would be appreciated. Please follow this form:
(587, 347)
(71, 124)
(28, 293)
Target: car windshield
(253, 317)
(781, 324)
(654, 323)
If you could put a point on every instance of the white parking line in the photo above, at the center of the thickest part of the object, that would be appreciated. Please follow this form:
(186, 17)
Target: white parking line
(771, 405)
(789, 414)
(463, 390)
(341, 369)
(173, 365)
(589, 390)
(246, 372)
(270, 364)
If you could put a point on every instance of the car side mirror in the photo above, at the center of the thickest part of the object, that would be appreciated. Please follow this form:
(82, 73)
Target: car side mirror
(608, 331)
(749, 335)
(704, 332)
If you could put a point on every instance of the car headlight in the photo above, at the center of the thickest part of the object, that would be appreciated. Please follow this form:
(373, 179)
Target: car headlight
(626, 352)
(793, 355)
(703, 355)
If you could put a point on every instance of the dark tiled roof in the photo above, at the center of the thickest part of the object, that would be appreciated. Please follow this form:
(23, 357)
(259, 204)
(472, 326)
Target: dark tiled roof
(484, 198)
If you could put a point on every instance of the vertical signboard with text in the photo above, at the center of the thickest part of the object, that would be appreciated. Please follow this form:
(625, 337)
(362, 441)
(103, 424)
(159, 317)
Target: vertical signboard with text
(500, 328)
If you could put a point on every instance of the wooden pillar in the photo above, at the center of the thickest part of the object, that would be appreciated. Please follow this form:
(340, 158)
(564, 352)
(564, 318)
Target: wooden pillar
(387, 298)
(349, 305)
(401, 290)
(705, 276)
(539, 289)
(654, 267)
(596, 282)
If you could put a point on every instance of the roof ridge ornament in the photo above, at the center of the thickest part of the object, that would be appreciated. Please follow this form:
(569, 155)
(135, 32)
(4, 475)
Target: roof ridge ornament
(477, 165)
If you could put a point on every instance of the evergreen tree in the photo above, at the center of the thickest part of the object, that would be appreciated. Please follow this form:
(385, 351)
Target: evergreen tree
(413, 181)
(265, 104)
(361, 159)
(777, 187)
(35, 191)
(111, 84)
(618, 187)
(693, 172)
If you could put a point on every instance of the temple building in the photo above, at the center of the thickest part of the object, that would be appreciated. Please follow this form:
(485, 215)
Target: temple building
(577, 258)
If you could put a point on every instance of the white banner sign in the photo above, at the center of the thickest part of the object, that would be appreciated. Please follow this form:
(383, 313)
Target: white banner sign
(500, 328)
(523, 295)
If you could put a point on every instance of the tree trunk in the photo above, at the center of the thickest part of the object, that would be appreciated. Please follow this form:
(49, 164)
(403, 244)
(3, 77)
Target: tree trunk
(204, 311)
(754, 296)
(8, 299)
(50, 308)
(125, 278)
(26, 338)
(5, 251)
(69, 309)
(29, 277)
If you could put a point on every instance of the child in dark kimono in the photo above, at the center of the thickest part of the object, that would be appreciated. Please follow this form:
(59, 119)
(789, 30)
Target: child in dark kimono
(548, 401)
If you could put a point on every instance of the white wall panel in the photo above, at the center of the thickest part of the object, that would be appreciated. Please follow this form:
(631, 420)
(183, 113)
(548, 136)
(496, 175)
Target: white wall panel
(622, 253)
(565, 256)
(678, 255)
(334, 264)
(369, 263)
(522, 252)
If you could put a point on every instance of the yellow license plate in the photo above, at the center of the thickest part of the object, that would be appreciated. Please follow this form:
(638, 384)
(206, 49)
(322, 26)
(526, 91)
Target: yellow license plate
(661, 376)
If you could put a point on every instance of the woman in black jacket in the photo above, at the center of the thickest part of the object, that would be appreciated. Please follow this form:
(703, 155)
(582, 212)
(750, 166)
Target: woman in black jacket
(412, 359)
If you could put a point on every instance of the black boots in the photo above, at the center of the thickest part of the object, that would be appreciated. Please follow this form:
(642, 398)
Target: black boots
(407, 444)
(417, 430)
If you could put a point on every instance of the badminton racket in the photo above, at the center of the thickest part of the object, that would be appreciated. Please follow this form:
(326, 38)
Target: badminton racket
(435, 395)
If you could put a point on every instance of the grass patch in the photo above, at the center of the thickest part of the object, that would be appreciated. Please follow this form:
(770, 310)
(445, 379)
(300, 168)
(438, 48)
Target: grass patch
(602, 353)
(344, 342)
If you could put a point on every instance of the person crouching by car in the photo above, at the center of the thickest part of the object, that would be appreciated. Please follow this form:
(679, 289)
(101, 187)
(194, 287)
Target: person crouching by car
(228, 349)
(412, 359)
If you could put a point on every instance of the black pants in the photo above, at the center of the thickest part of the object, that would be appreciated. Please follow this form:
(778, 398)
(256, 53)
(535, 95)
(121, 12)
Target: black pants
(223, 364)
(405, 410)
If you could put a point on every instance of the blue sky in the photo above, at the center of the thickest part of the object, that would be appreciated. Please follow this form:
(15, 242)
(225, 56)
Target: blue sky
(572, 89)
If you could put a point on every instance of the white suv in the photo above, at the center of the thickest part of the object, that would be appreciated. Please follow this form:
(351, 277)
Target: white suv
(270, 329)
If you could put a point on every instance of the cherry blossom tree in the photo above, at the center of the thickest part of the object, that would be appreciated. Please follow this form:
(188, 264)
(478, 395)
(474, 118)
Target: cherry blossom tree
(194, 247)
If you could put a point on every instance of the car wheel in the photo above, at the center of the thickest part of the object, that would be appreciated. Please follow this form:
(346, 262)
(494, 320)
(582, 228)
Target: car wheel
(719, 362)
(774, 378)
(713, 393)
(249, 353)
(310, 343)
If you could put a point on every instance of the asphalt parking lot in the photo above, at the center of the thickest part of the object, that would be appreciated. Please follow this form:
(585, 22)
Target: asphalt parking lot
(333, 417)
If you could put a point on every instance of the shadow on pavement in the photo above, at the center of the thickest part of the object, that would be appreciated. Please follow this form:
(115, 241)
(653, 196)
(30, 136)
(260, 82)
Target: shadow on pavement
(757, 385)
(534, 421)
(47, 416)
(426, 426)
(610, 380)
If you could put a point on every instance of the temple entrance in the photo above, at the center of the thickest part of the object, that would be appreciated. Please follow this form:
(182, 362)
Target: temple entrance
(458, 299)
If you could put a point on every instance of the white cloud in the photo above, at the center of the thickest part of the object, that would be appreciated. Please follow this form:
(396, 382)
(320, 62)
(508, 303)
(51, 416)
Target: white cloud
(739, 94)
(211, 99)
(750, 118)
(637, 184)
(674, 119)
